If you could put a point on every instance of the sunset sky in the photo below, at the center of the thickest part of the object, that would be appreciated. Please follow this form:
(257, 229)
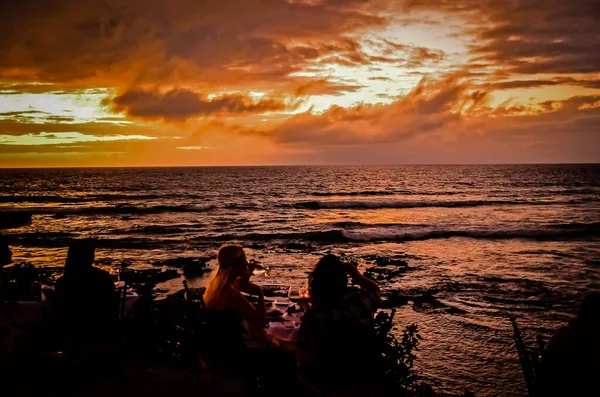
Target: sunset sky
(244, 82)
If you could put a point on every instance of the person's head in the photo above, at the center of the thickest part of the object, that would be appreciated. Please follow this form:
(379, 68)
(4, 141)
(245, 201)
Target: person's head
(80, 255)
(328, 282)
(5, 252)
(232, 262)
(589, 311)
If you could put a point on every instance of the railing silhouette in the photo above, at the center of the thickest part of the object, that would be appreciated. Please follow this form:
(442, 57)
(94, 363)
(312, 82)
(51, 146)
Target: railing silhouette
(529, 358)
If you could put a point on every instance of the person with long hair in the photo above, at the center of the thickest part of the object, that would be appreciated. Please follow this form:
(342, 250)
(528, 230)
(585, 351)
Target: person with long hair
(570, 365)
(336, 340)
(229, 280)
(223, 341)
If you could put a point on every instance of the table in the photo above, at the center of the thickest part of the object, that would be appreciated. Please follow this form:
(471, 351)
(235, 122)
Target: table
(283, 335)
(130, 298)
(281, 331)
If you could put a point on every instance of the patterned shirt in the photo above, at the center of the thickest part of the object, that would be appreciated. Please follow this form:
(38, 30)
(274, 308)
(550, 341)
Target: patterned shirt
(357, 308)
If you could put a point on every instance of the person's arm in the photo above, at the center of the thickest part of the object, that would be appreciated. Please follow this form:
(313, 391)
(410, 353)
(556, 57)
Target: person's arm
(362, 281)
(253, 314)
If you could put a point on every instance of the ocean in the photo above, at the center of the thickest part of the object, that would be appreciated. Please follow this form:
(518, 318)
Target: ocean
(483, 243)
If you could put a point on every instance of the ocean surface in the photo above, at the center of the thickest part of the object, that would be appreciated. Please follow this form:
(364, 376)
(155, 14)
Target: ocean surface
(483, 242)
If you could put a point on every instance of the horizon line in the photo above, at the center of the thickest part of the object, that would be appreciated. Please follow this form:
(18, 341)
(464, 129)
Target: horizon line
(294, 165)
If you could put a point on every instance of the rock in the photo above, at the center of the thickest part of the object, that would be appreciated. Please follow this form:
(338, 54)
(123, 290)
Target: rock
(14, 219)
(193, 270)
(181, 262)
(426, 302)
(257, 246)
(387, 261)
(394, 299)
(147, 278)
(383, 274)
(297, 246)
(168, 274)
(349, 259)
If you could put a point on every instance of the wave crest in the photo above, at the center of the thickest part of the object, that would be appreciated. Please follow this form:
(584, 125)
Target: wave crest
(111, 210)
(380, 204)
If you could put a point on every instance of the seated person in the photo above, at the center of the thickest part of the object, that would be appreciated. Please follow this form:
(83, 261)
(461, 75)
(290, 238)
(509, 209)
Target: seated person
(16, 281)
(224, 290)
(223, 297)
(5, 252)
(87, 303)
(570, 365)
(5, 256)
(336, 337)
(5, 259)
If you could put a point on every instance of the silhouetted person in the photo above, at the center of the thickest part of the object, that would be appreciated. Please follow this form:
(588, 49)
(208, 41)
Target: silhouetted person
(571, 364)
(336, 337)
(17, 280)
(228, 307)
(5, 258)
(224, 290)
(87, 303)
(5, 252)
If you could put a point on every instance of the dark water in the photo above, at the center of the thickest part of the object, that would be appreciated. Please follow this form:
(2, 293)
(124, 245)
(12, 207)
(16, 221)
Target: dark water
(486, 242)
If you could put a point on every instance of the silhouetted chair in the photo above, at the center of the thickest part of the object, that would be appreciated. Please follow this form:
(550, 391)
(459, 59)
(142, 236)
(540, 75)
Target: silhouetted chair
(194, 298)
(218, 339)
(90, 357)
(346, 361)
(122, 294)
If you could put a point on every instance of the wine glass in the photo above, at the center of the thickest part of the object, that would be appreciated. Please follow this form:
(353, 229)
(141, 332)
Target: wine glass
(258, 269)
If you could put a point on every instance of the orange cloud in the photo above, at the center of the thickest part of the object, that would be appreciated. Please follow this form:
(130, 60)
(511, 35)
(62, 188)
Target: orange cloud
(527, 37)
(505, 81)
(208, 42)
(429, 107)
(324, 87)
(180, 105)
(451, 114)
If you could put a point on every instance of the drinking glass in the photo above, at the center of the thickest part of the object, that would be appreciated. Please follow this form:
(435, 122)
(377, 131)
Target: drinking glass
(258, 269)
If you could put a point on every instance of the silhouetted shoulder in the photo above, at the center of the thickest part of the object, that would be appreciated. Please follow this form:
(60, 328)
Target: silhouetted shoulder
(563, 336)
